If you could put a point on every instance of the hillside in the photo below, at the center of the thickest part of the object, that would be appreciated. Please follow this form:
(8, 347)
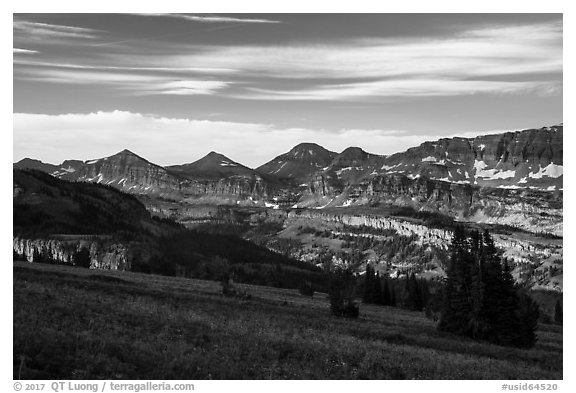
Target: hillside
(152, 327)
(54, 220)
(44, 205)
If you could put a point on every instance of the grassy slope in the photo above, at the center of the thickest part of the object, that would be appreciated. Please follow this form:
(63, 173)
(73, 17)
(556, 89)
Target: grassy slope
(78, 323)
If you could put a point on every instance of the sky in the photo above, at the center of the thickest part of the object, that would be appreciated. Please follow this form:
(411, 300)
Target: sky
(173, 87)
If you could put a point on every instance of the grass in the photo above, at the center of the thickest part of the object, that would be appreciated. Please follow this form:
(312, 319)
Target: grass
(73, 323)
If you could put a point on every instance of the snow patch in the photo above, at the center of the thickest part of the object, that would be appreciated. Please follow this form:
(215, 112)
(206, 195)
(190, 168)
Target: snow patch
(428, 159)
(504, 175)
(552, 170)
(347, 203)
(69, 169)
(272, 205)
(282, 166)
(226, 163)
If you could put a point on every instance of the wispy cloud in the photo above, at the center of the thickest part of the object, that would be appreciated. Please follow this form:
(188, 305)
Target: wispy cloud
(479, 52)
(493, 60)
(211, 18)
(24, 51)
(41, 31)
(406, 88)
(130, 83)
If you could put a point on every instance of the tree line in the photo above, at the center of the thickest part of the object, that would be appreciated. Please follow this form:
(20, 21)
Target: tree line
(478, 298)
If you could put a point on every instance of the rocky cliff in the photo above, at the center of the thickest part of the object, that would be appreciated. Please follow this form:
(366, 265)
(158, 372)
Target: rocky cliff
(528, 158)
(113, 256)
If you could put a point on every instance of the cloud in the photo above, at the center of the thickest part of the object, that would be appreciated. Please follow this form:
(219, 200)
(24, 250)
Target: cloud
(132, 83)
(162, 140)
(493, 60)
(24, 51)
(211, 18)
(481, 52)
(407, 88)
(40, 31)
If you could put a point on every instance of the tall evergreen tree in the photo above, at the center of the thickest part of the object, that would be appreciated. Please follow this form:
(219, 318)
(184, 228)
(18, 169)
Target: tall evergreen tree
(456, 307)
(528, 313)
(480, 299)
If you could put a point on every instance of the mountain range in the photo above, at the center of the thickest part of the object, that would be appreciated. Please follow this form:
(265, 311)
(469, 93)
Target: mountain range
(403, 205)
(530, 159)
(480, 179)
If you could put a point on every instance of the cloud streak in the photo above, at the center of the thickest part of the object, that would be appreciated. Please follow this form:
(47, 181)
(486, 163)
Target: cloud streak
(23, 51)
(131, 83)
(211, 19)
(406, 88)
(37, 31)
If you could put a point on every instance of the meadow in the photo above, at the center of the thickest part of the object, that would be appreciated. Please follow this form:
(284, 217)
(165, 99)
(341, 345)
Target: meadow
(75, 323)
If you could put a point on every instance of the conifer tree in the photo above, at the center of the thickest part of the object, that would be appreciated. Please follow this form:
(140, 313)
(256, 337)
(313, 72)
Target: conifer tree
(413, 294)
(456, 306)
(558, 313)
(368, 284)
(377, 299)
(386, 297)
(528, 313)
(480, 299)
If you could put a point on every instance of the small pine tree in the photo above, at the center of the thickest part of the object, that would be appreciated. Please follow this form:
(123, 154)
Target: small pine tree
(386, 296)
(81, 258)
(558, 313)
(413, 294)
(377, 296)
(342, 294)
(368, 287)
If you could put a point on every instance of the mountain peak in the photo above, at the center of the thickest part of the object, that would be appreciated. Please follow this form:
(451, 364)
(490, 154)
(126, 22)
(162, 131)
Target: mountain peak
(212, 165)
(300, 162)
(353, 152)
(308, 146)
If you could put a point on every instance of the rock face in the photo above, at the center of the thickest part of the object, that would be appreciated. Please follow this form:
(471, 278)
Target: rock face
(196, 182)
(532, 256)
(529, 158)
(218, 179)
(124, 170)
(102, 256)
(299, 163)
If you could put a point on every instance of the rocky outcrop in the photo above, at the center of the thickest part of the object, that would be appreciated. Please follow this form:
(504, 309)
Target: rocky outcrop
(102, 256)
